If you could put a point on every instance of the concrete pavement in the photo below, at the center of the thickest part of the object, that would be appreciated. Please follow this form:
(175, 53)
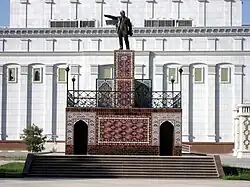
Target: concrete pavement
(229, 160)
(121, 183)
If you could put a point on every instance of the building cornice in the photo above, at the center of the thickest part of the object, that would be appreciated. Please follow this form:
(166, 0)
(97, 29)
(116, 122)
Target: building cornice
(111, 32)
(137, 53)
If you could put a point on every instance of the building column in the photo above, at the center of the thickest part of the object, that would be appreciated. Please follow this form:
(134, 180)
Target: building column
(211, 103)
(23, 98)
(2, 99)
(185, 103)
(48, 101)
(238, 85)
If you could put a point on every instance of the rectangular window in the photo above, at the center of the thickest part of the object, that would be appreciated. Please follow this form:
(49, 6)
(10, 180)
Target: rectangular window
(184, 23)
(107, 73)
(198, 75)
(61, 75)
(111, 22)
(172, 74)
(159, 23)
(225, 75)
(37, 75)
(12, 74)
(87, 23)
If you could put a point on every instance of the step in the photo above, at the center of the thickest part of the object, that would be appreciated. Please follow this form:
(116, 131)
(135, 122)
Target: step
(120, 158)
(157, 161)
(124, 166)
(124, 175)
(127, 164)
(122, 170)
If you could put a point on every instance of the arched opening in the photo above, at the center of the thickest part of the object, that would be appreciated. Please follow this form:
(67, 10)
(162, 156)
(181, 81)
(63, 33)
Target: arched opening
(166, 139)
(80, 138)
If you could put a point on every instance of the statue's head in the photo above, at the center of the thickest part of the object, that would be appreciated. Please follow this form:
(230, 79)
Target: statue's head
(122, 13)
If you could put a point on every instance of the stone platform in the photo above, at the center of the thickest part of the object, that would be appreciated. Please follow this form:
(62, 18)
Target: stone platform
(124, 131)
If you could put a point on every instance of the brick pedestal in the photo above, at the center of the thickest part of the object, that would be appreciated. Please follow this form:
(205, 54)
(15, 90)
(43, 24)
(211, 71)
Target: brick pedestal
(123, 76)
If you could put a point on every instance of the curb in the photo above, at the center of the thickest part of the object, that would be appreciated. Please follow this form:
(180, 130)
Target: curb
(11, 175)
(13, 151)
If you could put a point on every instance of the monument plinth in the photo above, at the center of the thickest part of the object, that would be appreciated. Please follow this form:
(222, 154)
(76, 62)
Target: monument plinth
(124, 116)
(123, 77)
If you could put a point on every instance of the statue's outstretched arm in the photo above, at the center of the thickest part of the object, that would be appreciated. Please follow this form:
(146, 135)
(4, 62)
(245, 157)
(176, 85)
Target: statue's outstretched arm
(111, 17)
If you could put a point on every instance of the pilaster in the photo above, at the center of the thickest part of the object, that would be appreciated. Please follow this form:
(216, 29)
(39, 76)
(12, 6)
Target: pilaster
(185, 103)
(23, 98)
(1, 101)
(238, 85)
(211, 103)
(48, 98)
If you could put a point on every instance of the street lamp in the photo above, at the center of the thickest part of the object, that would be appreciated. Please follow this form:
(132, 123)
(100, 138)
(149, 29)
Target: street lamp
(172, 81)
(67, 75)
(73, 80)
(180, 71)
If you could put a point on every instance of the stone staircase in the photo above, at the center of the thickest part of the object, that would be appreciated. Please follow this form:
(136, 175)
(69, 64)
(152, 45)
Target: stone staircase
(121, 166)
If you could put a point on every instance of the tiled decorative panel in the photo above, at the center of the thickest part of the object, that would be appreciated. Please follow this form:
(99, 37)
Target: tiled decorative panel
(121, 149)
(124, 75)
(105, 85)
(160, 118)
(124, 129)
(105, 96)
(71, 119)
(124, 97)
(124, 64)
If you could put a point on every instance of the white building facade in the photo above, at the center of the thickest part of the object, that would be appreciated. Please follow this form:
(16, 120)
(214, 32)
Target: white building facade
(204, 38)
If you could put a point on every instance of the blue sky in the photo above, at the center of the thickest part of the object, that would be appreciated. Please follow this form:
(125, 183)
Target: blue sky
(4, 12)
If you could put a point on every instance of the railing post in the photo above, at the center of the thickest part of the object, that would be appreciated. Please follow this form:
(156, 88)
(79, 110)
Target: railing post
(67, 75)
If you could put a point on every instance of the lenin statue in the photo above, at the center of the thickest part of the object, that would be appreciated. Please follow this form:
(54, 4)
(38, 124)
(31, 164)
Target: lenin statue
(123, 27)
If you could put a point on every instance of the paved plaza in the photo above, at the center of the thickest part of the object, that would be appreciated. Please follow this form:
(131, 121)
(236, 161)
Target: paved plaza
(122, 183)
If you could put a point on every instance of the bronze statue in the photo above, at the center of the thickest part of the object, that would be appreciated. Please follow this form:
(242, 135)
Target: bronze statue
(123, 27)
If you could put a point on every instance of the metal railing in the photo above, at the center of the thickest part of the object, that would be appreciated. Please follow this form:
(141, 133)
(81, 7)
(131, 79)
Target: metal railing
(117, 99)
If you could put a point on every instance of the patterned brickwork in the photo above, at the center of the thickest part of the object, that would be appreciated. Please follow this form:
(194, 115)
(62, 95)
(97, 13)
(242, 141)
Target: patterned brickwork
(124, 96)
(158, 119)
(124, 64)
(71, 119)
(124, 129)
(124, 75)
(137, 149)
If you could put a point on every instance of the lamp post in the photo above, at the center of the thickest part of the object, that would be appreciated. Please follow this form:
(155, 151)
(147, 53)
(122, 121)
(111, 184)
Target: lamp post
(180, 71)
(73, 80)
(67, 75)
(172, 81)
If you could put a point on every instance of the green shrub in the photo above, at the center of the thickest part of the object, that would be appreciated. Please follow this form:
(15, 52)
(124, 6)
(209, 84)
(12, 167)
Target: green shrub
(33, 138)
